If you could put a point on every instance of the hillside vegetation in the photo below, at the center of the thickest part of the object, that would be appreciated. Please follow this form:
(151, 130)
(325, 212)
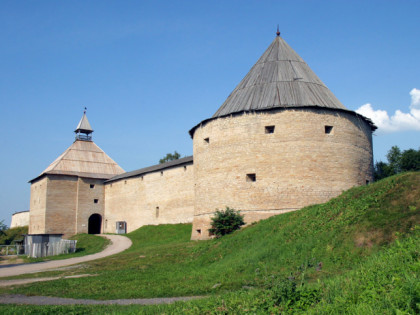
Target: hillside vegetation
(358, 253)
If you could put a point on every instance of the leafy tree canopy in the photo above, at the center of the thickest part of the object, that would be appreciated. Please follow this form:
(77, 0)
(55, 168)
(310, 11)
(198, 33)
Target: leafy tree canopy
(170, 157)
(408, 160)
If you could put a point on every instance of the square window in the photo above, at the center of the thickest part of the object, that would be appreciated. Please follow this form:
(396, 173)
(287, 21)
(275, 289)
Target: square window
(251, 177)
(95, 200)
(206, 140)
(269, 129)
(328, 129)
(92, 186)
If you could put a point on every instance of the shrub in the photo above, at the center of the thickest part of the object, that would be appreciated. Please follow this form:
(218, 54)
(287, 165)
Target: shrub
(225, 222)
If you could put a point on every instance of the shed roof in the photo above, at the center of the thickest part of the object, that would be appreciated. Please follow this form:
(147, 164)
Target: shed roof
(279, 79)
(154, 168)
(83, 159)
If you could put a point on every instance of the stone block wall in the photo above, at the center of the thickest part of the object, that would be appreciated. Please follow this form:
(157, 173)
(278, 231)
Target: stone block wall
(160, 197)
(90, 200)
(268, 163)
(60, 216)
(20, 219)
(37, 206)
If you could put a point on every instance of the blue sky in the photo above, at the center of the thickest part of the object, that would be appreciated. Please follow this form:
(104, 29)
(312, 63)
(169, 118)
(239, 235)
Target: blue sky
(148, 71)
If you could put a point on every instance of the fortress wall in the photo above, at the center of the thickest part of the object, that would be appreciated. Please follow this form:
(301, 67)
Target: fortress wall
(20, 219)
(297, 165)
(86, 205)
(61, 205)
(154, 198)
(37, 206)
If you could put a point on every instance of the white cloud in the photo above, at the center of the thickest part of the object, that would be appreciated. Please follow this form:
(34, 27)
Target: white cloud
(399, 121)
(415, 98)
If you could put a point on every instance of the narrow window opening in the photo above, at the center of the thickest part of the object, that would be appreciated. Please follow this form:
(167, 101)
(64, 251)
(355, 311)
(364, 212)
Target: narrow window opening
(141, 177)
(157, 212)
(92, 186)
(198, 231)
(95, 200)
(251, 177)
(125, 182)
(161, 173)
(185, 168)
(269, 129)
(367, 182)
(206, 140)
(328, 129)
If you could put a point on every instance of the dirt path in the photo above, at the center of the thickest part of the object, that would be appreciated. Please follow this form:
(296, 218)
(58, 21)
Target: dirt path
(47, 300)
(118, 244)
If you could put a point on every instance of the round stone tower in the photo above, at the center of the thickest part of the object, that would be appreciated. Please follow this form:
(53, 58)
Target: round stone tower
(280, 141)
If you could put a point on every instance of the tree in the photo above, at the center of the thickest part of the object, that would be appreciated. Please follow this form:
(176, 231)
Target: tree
(380, 170)
(225, 222)
(394, 160)
(398, 162)
(410, 160)
(3, 227)
(170, 157)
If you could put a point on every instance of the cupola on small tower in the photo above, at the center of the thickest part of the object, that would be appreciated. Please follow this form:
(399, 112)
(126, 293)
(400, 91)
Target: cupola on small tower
(84, 130)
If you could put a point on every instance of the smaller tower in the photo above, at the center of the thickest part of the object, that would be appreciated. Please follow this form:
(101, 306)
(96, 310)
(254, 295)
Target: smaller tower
(84, 130)
(68, 196)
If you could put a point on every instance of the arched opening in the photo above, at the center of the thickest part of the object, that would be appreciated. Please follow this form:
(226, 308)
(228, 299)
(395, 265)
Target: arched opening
(95, 222)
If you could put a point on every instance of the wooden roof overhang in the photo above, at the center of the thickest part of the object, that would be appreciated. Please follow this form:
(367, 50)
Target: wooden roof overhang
(278, 109)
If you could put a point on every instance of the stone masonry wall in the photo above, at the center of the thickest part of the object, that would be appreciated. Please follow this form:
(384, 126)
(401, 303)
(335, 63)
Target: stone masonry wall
(37, 206)
(20, 219)
(161, 197)
(303, 162)
(61, 205)
(89, 191)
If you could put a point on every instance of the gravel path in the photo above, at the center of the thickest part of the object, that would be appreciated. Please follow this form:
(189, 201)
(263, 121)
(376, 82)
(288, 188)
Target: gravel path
(47, 300)
(118, 244)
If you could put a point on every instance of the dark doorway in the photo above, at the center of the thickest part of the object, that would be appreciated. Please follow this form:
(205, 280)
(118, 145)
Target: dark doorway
(95, 222)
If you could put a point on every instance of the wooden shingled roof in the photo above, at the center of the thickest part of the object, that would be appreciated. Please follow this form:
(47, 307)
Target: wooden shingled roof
(83, 159)
(279, 80)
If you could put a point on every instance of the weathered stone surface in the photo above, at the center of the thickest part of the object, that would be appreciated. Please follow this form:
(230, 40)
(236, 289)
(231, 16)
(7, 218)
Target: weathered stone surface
(298, 165)
(62, 204)
(165, 197)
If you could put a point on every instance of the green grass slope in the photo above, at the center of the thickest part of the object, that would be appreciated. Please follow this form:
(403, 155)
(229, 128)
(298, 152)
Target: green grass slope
(316, 245)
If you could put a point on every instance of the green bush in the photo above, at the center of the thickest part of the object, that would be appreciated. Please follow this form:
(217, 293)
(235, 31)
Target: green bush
(225, 222)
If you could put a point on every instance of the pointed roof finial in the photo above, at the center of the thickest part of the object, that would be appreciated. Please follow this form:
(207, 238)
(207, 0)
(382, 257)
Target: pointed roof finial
(84, 112)
(278, 32)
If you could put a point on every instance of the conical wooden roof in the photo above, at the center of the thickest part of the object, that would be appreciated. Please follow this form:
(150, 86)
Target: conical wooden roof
(280, 78)
(84, 125)
(84, 159)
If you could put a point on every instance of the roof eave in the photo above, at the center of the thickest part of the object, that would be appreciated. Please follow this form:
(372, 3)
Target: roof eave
(367, 120)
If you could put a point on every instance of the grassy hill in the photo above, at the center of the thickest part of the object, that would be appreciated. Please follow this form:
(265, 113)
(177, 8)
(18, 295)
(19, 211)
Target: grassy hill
(358, 253)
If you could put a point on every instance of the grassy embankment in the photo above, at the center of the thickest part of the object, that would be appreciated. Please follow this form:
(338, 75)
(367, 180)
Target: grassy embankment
(341, 256)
